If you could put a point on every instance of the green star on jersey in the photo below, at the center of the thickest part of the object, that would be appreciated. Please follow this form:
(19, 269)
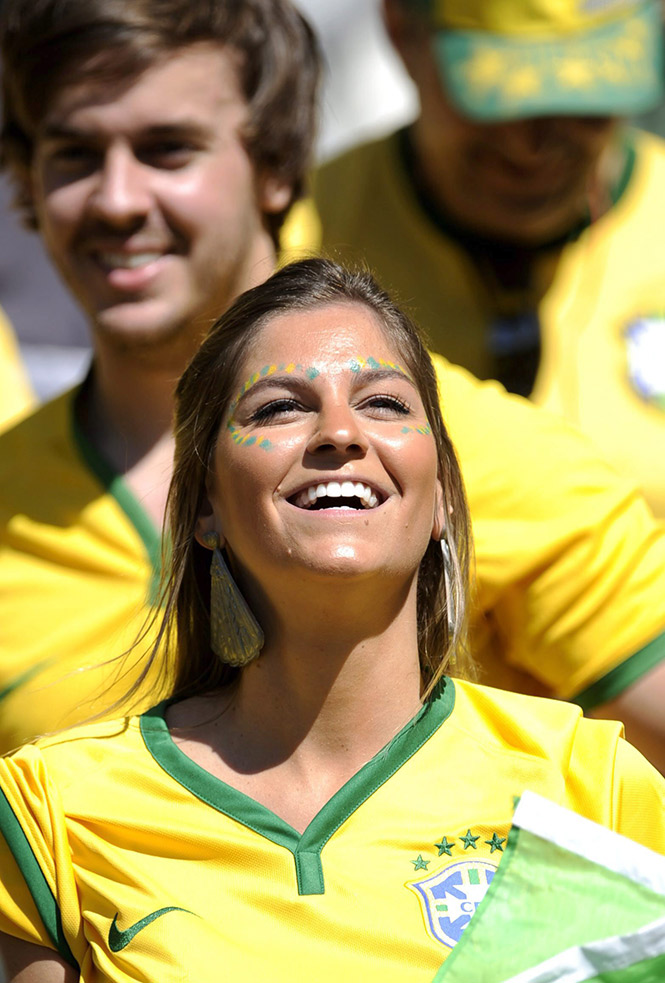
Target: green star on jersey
(420, 864)
(495, 843)
(444, 846)
(469, 840)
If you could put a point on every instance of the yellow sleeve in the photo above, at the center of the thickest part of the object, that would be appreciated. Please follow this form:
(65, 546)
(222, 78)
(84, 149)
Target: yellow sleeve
(16, 395)
(570, 562)
(38, 897)
(639, 792)
(300, 236)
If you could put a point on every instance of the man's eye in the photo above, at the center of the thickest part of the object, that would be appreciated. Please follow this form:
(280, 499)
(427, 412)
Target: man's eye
(277, 407)
(72, 157)
(168, 154)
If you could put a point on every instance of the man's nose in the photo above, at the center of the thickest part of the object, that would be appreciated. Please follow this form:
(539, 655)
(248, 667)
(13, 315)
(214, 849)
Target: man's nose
(528, 141)
(121, 195)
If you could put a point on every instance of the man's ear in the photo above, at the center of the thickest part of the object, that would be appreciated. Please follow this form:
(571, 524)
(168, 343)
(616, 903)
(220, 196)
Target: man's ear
(207, 525)
(274, 194)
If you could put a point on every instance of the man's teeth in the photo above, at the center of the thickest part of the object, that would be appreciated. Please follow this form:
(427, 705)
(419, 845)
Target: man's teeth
(336, 489)
(127, 261)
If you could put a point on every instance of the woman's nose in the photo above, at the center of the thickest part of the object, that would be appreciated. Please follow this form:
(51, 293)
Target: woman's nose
(338, 430)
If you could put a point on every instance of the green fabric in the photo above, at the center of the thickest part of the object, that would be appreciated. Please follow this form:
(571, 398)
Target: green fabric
(650, 971)
(33, 875)
(612, 70)
(553, 900)
(614, 683)
(306, 848)
(116, 487)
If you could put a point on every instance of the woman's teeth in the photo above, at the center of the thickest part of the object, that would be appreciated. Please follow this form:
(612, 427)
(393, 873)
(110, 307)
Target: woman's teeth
(363, 494)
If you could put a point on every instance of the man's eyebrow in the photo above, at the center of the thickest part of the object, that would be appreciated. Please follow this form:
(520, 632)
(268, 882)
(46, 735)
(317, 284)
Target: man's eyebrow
(178, 128)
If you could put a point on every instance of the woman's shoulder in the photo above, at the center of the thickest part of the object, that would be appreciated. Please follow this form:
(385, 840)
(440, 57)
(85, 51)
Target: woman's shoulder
(81, 757)
(530, 725)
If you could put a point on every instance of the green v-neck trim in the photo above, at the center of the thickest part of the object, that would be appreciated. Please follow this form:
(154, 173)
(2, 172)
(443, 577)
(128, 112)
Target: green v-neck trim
(306, 848)
(114, 484)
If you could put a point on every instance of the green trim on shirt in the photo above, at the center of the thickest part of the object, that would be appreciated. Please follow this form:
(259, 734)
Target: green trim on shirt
(114, 484)
(33, 875)
(622, 676)
(306, 847)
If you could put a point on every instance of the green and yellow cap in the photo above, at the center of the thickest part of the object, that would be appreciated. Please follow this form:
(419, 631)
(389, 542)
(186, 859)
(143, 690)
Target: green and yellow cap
(510, 59)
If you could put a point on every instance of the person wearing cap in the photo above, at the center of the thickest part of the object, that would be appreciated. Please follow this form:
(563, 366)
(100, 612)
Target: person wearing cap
(517, 216)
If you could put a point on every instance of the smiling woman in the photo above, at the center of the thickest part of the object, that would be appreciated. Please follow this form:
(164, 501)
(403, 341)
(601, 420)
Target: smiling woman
(318, 783)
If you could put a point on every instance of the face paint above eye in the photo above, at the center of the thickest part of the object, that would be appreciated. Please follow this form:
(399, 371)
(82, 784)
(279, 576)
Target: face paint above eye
(287, 368)
(358, 363)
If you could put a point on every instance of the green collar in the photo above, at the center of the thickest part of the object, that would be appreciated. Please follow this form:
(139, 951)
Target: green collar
(116, 487)
(306, 847)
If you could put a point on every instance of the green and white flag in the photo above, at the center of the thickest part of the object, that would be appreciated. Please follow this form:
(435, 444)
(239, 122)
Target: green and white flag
(571, 902)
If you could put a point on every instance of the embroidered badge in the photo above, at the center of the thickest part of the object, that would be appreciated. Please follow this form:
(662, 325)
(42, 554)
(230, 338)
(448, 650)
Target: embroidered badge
(645, 351)
(449, 897)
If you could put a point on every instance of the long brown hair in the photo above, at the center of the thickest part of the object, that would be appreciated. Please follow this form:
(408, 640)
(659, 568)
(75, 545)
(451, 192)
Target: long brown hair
(202, 398)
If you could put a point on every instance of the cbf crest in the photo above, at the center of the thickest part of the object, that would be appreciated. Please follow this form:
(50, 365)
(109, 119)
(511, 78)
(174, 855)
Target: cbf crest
(645, 352)
(449, 897)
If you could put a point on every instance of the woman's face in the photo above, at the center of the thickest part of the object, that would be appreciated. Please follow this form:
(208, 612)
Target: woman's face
(325, 465)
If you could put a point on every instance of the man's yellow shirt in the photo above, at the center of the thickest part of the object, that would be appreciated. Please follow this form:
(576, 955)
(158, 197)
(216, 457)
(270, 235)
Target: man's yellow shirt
(570, 567)
(16, 395)
(599, 298)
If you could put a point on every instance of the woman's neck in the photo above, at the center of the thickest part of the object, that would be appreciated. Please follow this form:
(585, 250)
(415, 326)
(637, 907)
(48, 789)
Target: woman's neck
(322, 699)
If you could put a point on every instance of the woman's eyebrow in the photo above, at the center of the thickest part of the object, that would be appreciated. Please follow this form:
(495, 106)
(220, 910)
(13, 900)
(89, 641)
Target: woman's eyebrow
(264, 380)
(273, 375)
(382, 374)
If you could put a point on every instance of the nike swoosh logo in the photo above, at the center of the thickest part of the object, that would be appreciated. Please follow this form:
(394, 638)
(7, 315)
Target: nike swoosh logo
(118, 940)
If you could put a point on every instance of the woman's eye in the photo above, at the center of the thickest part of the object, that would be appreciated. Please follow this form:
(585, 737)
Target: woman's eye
(387, 405)
(277, 407)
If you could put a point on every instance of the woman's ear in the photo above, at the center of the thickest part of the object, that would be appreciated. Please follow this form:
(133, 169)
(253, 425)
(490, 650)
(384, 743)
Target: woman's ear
(439, 523)
(206, 526)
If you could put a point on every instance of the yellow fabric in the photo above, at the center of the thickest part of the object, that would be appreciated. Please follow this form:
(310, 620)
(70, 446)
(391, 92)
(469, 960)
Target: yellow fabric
(75, 580)
(16, 396)
(570, 564)
(590, 296)
(570, 568)
(536, 19)
(116, 836)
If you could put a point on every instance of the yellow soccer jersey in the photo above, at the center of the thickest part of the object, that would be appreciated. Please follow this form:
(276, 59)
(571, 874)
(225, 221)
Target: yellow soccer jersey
(79, 565)
(570, 567)
(16, 396)
(600, 299)
(137, 864)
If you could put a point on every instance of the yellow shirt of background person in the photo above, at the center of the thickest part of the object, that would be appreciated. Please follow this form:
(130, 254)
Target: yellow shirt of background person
(599, 299)
(564, 607)
(16, 396)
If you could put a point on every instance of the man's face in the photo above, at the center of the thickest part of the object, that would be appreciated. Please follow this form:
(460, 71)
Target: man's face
(526, 181)
(147, 200)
